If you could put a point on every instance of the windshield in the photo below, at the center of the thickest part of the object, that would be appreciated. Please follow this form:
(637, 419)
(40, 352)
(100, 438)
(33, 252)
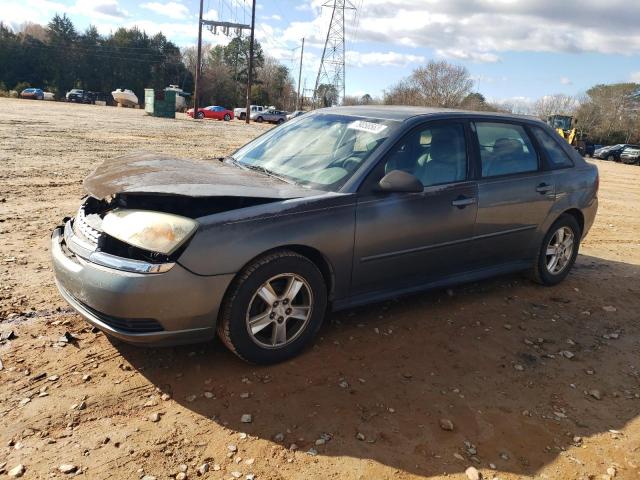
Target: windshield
(320, 151)
(561, 121)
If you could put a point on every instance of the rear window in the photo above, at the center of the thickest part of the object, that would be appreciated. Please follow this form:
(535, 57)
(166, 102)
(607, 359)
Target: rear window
(505, 149)
(556, 155)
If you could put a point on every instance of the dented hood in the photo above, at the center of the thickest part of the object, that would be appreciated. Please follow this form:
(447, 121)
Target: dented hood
(144, 172)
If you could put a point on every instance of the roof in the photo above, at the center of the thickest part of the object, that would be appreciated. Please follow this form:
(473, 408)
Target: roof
(403, 112)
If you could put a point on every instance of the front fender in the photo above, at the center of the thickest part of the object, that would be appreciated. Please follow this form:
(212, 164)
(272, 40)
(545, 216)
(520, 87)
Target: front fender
(226, 242)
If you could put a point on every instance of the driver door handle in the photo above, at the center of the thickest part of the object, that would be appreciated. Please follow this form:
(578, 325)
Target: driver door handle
(463, 201)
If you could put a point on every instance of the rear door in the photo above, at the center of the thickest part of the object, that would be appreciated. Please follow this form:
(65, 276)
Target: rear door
(515, 194)
(404, 240)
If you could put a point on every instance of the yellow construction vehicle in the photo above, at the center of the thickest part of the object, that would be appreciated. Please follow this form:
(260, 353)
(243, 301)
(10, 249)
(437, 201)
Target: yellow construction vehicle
(565, 125)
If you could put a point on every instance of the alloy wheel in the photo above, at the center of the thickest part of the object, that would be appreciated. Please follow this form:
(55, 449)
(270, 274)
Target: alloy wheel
(279, 310)
(559, 250)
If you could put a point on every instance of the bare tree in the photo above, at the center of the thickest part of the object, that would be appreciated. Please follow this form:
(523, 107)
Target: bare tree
(611, 113)
(276, 84)
(190, 57)
(558, 104)
(437, 84)
(365, 99)
(35, 30)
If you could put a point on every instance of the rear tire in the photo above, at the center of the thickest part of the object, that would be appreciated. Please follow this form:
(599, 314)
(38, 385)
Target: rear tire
(281, 121)
(561, 243)
(611, 158)
(257, 308)
(259, 119)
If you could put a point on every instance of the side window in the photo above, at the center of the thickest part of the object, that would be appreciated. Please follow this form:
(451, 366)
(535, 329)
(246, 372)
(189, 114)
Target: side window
(505, 149)
(556, 155)
(435, 154)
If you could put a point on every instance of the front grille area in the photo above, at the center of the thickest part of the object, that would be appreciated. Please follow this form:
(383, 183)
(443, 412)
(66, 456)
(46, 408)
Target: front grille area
(83, 228)
(128, 325)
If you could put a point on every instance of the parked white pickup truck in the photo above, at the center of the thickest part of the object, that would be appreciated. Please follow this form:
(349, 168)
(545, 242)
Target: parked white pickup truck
(241, 113)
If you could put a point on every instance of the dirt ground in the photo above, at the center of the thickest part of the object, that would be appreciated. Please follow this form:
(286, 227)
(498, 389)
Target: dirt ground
(365, 402)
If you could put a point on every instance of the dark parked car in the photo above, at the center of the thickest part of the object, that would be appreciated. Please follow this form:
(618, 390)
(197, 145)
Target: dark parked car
(587, 149)
(337, 208)
(32, 93)
(81, 96)
(613, 152)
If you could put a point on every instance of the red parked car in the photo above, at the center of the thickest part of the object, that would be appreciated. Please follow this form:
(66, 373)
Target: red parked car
(219, 113)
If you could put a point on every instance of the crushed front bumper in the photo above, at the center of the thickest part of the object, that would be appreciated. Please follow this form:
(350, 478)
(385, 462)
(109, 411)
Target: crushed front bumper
(172, 306)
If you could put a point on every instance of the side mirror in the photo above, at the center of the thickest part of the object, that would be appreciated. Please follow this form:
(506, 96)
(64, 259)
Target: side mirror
(399, 181)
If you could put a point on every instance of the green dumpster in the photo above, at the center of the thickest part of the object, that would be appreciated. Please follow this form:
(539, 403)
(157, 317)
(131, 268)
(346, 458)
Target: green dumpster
(160, 103)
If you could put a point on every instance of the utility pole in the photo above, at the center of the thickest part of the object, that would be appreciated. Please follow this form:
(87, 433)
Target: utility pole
(253, 24)
(198, 64)
(213, 25)
(300, 76)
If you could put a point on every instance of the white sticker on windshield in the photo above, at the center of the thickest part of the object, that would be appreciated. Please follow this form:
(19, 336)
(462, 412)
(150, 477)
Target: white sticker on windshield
(367, 126)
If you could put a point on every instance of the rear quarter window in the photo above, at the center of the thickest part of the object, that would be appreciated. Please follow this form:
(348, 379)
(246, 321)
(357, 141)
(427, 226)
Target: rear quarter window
(555, 153)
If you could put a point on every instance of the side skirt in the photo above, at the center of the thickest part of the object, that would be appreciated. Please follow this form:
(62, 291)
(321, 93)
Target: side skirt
(457, 279)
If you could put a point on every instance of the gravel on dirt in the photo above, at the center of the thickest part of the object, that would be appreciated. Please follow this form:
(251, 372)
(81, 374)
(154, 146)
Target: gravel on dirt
(431, 356)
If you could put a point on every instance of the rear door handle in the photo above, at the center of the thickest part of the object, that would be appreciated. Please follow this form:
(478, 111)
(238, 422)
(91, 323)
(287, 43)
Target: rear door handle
(463, 201)
(544, 188)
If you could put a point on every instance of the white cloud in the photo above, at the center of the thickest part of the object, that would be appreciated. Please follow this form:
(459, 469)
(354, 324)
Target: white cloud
(480, 30)
(169, 9)
(462, 54)
(635, 77)
(519, 104)
(99, 9)
(41, 11)
(38, 11)
(383, 59)
(181, 33)
(275, 17)
(566, 81)
(209, 15)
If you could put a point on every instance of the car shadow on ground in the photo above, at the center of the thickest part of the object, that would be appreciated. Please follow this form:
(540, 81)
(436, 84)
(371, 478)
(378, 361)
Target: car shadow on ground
(486, 356)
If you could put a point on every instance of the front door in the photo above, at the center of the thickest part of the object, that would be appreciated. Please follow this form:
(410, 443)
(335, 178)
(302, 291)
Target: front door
(405, 240)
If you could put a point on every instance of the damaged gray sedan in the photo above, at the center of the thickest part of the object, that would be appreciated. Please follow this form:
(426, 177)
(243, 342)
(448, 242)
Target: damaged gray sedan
(337, 208)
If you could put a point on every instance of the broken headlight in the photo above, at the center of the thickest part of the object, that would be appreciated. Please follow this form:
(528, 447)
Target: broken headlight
(153, 231)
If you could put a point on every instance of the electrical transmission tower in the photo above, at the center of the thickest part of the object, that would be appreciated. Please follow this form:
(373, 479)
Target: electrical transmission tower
(332, 71)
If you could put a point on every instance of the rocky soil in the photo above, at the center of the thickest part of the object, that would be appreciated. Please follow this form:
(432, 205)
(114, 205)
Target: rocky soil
(500, 379)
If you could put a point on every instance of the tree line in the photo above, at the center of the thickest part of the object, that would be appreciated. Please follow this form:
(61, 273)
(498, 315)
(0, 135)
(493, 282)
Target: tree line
(57, 58)
(606, 114)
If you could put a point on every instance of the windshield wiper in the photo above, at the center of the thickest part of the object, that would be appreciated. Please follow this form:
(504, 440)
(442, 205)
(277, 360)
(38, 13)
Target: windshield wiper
(231, 160)
(261, 169)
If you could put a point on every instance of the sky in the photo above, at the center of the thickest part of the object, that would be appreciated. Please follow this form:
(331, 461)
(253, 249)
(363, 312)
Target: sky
(515, 50)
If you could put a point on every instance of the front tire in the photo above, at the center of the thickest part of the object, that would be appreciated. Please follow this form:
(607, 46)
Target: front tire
(611, 158)
(259, 119)
(273, 308)
(558, 251)
(227, 117)
(200, 115)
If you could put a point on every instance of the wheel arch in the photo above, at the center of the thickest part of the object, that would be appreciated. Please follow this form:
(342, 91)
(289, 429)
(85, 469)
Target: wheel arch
(313, 254)
(578, 215)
